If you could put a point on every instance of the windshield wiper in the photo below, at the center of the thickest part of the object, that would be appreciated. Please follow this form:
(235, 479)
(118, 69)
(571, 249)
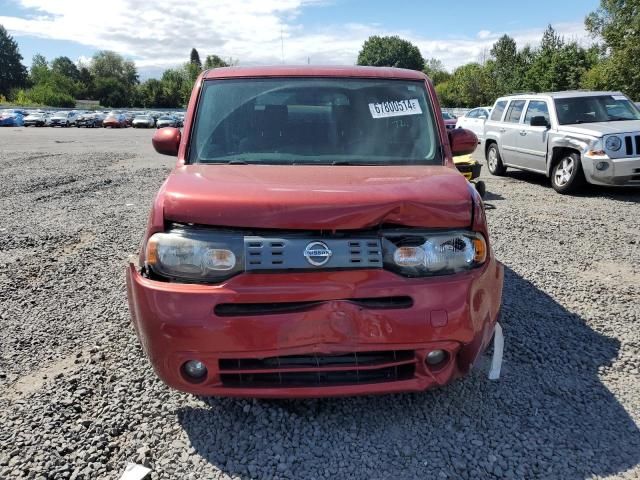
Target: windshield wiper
(341, 162)
(236, 162)
(619, 119)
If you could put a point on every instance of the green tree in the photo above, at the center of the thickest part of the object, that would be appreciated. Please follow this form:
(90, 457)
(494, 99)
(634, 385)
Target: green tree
(39, 69)
(617, 24)
(214, 61)
(64, 66)
(434, 69)
(111, 71)
(195, 58)
(558, 65)
(12, 73)
(390, 52)
(506, 69)
(469, 85)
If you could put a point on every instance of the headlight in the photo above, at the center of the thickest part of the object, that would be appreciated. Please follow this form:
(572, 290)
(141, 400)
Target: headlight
(194, 255)
(613, 143)
(434, 254)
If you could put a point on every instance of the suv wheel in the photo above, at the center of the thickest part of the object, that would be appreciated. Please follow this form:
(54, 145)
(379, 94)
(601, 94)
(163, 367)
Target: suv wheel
(494, 162)
(566, 174)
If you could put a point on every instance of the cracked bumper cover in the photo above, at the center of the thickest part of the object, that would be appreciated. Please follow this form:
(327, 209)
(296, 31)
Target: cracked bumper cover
(176, 323)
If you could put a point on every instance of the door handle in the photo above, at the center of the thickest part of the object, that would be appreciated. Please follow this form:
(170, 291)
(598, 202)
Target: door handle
(502, 130)
(523, 132)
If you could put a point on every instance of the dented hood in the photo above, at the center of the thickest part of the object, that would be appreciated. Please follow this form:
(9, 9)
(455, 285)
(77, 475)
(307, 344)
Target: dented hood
(317, 197)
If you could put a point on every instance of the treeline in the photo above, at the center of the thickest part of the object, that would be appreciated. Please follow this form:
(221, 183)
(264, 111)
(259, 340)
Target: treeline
(107, 78)
(556, 64)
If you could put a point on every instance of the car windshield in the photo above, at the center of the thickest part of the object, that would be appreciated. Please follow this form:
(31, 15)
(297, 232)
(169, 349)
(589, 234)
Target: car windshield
(315, 121)
(448, 116)
(61, 114)
(604, 108)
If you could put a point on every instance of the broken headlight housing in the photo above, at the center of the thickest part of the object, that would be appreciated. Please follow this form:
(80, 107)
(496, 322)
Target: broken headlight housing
(438, 253)
(194, 255)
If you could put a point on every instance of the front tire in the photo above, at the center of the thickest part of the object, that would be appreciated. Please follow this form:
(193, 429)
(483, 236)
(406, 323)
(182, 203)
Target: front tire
(494, 161)
(567, 175)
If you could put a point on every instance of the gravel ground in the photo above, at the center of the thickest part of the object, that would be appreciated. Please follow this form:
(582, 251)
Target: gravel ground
(78, 399)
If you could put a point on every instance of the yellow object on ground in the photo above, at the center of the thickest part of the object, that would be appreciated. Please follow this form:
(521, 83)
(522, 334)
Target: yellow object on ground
(467, 166)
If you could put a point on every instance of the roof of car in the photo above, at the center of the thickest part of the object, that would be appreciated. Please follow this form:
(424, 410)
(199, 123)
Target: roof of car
(565, 94)
(315, 71)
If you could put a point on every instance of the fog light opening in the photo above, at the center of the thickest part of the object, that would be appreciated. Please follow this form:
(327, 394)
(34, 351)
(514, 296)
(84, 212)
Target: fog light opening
(602, 166)
(436, 358)
(194, 370)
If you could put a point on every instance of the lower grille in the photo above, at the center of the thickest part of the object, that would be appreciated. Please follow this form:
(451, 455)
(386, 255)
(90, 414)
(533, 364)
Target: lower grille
(319, 370)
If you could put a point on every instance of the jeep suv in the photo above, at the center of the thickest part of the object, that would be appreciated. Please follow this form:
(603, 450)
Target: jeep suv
(314, 239)
(571, 137)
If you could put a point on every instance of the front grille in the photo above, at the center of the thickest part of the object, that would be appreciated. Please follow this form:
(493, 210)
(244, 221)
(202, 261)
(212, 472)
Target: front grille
(317, 370)
(284, 253)
(632, 144)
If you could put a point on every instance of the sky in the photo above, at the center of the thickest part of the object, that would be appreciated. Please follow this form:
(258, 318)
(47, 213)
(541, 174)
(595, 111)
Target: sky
(160, 35)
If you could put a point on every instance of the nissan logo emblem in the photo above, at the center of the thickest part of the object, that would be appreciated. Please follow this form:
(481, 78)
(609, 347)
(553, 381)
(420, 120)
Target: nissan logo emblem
(317, 253)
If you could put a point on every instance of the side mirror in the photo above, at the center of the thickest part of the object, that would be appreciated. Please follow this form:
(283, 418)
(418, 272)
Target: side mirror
(462, 141)
(539, 121)
(482, 117)
(167, 141)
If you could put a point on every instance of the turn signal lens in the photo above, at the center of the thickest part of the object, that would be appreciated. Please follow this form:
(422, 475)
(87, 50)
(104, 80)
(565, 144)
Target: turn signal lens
(220, 259)
(409, 256)
(480, 246)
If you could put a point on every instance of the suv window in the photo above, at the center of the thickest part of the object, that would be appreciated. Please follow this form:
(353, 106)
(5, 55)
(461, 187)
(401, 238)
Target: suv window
(515, 111)
(473, 113)
(537, 108)
(496, 114)
(315, 121)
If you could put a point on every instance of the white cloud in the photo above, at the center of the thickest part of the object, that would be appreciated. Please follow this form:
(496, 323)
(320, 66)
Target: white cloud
(159, 35)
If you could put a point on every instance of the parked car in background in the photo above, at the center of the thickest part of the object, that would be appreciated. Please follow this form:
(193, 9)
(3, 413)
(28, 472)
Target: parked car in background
(11, 118)
(62, 119)
(115, 120)
(167, 121)
(571, 137)
(143, 121)
(474, 120)
(449, 120)
(277, 262)
(89, 120)
(128, 117)
(36, 119)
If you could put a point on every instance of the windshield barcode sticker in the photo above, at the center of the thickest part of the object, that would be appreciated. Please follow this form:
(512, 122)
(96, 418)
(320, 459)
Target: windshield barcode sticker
(395, 108)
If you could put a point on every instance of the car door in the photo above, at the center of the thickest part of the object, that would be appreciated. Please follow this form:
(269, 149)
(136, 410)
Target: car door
(532, 148)
(510, 131)
(469, 121)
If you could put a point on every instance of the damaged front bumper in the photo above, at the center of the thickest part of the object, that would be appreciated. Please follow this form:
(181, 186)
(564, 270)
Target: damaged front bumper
(321, 334)
(604, 170)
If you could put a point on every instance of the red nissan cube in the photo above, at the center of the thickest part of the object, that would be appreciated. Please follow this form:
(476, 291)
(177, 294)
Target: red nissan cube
(314, 239)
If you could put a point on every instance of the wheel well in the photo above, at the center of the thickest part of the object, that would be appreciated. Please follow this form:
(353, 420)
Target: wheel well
(558, 153)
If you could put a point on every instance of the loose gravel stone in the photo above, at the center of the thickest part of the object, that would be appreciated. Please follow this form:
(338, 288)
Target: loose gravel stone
(78, 399)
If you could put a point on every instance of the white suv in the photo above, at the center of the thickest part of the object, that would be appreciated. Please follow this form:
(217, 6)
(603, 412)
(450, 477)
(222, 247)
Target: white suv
(568, 136)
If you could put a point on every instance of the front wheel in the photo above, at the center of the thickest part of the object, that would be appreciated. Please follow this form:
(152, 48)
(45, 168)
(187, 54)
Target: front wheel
(567, 175)
(494, 161)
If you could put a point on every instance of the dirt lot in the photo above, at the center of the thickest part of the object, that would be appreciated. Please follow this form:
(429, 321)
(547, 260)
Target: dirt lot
(78, 399)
